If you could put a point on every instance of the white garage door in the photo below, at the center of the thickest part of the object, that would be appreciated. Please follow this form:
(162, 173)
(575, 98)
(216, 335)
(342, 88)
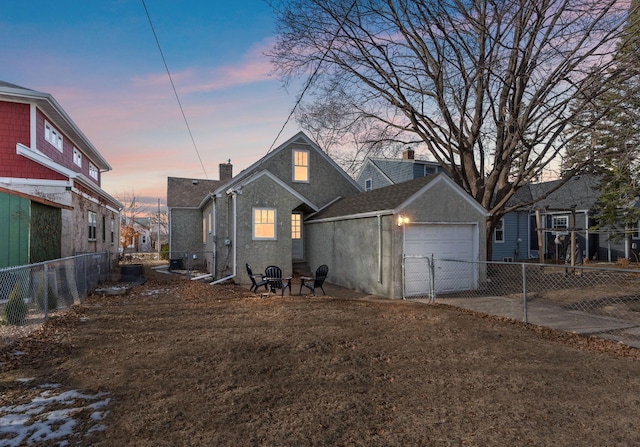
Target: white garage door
(421, 242)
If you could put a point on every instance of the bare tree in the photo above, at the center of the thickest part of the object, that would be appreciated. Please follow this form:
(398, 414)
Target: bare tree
(488, 87)
(132, 210)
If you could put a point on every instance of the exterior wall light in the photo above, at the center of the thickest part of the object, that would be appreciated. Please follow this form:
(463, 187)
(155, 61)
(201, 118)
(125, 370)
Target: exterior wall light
(402, 220)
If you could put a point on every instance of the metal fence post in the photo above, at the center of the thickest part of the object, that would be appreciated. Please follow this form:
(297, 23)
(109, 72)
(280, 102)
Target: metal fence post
(432, 267)
(45, 297)
(524, 290)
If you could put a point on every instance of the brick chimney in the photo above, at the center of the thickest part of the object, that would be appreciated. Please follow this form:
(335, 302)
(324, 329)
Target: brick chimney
(226, 171)
(408, 154)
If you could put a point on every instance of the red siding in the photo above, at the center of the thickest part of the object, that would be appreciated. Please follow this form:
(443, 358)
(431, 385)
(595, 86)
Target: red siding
(14, 129)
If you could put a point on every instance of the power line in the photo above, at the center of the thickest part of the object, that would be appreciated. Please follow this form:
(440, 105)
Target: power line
(315, 72)
(174, 89)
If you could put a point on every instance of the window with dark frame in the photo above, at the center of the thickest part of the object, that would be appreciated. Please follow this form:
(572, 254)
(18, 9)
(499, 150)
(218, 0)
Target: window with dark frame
(93, 222)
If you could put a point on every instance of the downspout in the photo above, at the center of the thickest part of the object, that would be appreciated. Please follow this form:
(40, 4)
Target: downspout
(379, 249)
(233, 193)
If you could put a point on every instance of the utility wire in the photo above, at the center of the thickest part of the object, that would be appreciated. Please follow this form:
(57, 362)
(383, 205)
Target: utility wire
(174, 88)
(315, 72)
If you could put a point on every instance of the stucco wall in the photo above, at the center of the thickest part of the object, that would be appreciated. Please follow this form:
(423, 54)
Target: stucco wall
(350, 247)
(326, 182)
(263, 192)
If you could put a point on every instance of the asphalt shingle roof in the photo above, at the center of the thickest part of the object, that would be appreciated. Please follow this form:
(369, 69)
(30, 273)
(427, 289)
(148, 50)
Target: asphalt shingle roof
(381, 199)
(189, 192)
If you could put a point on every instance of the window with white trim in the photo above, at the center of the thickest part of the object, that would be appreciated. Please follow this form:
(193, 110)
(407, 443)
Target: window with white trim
(53, 136)
(560, 222)
(93, 171)
(264, 223)
(636, 231)
(498, 233)
(300, 166)
(104, 229)
(113, 230)
(92, 219)
(368, 184)
(77, 157)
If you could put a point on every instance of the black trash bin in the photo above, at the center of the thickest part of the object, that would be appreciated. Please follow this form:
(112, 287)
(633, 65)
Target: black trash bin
(176, 264)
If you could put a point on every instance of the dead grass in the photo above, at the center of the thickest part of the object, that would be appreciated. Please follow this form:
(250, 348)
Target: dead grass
(188, 364)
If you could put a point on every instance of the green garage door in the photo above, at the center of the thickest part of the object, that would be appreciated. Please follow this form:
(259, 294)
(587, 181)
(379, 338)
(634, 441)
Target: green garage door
(14, 230)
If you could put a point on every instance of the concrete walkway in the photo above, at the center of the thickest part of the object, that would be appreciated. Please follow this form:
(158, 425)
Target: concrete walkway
(553, 316)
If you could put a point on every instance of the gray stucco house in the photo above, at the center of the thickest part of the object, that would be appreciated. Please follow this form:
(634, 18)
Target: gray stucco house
(297, 209)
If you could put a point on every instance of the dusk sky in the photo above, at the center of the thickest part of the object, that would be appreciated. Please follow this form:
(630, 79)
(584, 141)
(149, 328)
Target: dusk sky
(100, 61)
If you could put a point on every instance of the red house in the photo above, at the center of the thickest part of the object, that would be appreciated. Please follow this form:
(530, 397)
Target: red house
(51, 201)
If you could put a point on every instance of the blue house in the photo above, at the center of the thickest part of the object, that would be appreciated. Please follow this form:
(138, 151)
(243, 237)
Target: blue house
(380, 172)
(566, 207)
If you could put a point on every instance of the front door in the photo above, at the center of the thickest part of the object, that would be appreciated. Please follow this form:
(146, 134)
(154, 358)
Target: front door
(297, 247)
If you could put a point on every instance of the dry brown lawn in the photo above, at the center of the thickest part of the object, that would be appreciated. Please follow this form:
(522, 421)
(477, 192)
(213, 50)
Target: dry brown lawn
(189, 364)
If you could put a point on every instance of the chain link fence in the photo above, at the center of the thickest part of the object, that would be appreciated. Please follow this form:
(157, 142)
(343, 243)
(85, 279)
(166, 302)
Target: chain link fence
(30, 294)
(192, 264)
(584, 299)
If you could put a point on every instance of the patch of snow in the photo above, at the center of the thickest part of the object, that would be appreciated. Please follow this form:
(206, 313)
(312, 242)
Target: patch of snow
(43, 419)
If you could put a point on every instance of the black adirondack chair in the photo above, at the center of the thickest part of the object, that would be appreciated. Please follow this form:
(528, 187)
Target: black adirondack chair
(273, 276)
(316, 281)
(257, 280)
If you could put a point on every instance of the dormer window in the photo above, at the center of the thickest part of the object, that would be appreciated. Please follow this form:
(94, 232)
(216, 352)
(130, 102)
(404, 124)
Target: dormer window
(300, 166)
(77, 157)
(53, 136)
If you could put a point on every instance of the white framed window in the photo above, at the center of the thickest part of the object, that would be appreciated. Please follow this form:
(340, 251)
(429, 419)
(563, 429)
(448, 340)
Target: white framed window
(204, 229)
(53, 136)
(264, 224)
(300, 165)
(636, 231)
(77, 157)
(498, 233)
(560, 222)
(113, 230)
(93, 171)
(92, 219)
(368, 184)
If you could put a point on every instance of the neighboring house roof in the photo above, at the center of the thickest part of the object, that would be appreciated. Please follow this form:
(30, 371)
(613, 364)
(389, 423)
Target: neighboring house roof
(580, 192)
(397, 170)
(50, 107)
(299, 138)
(189, 192)
(383, 200)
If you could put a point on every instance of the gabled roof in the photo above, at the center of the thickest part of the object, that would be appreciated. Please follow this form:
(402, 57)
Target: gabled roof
(299, 138)
(386, 200)
(50, 107)
(283, 185)
(396, 170)
(188, 192)
(580, 193)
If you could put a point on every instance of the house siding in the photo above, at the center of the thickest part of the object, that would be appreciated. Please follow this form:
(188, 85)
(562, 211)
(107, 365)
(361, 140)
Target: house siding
(186, 232)
(264, 193)
(378, 180)
(516, 228)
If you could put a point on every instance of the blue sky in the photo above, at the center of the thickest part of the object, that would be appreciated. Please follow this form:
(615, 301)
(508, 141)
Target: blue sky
(100, 60)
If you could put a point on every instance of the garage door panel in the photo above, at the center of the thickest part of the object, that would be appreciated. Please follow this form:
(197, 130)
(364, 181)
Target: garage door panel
(456, 242)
